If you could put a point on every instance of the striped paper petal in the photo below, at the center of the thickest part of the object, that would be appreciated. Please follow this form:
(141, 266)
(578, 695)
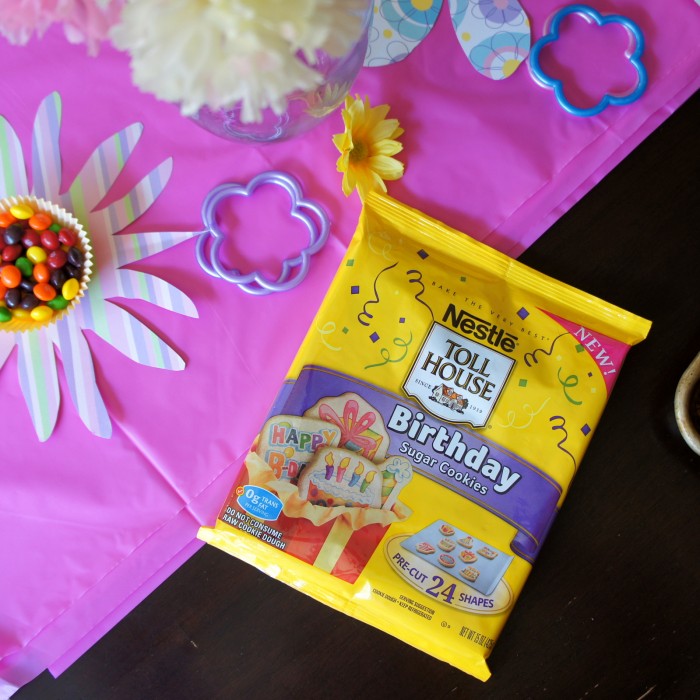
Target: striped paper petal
(128, 335)
(132, 284)
(46, 157)
(101, 170)
(118, 215)
(13, 174)
(7, 342)
(39, 380)
(80, 374)
(137, 246)
(37, 363)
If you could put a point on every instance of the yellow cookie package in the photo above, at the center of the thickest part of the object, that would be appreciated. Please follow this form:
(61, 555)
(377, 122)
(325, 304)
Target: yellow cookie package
(426, 434)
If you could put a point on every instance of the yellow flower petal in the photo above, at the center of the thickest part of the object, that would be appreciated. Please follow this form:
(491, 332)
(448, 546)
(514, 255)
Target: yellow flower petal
(386, 147)
(366, 147)
(342, 163)
(347, 186)
(387, 168)
(384, 129)
(342, 142)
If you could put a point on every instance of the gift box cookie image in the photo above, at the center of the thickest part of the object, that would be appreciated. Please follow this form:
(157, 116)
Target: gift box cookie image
(287, 443)
(361, 426)
(460, 554)
(337, 490)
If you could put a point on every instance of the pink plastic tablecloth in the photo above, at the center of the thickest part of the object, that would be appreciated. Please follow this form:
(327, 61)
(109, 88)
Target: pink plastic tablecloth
(89, 526)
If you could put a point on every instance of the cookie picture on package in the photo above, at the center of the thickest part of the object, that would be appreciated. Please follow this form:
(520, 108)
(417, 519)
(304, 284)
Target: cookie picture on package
(361, 425)
(288, 443)
(337, 477)
(470, 560)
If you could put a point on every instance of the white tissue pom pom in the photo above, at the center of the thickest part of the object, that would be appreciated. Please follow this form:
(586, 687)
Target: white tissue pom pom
(220, 53)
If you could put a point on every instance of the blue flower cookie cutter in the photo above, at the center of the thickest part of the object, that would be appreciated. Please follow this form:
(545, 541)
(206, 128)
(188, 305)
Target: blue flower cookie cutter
(633, 54)
(295, 269)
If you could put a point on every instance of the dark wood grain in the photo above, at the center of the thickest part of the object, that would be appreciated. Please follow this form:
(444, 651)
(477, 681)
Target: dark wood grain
(611, 608)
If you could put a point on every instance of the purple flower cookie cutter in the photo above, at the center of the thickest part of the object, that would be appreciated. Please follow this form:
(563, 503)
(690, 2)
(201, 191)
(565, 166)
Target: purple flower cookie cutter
(295, 269)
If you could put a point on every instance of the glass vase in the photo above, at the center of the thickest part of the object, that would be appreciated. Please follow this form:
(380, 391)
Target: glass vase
(304, 109)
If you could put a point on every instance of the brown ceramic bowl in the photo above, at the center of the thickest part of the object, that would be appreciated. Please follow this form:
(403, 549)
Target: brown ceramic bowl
(687, 405)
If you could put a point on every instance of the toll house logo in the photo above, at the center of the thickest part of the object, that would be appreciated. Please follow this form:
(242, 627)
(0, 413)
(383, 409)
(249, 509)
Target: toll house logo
(456, 378)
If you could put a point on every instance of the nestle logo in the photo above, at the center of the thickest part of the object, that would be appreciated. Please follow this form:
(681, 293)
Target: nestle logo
(456, 378)
(479, 329)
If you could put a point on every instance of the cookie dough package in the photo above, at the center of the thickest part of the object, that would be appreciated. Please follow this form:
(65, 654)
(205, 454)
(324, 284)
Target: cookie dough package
(426, 434)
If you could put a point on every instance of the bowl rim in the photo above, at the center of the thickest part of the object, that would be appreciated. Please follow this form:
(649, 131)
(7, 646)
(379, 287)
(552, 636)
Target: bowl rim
(687, 385)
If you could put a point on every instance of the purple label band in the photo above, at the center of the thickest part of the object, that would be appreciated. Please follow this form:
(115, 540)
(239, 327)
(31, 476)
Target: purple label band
(456, 457)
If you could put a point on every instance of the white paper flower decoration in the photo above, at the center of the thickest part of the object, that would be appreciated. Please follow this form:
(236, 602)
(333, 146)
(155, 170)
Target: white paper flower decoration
(37, 361)
(220, 53)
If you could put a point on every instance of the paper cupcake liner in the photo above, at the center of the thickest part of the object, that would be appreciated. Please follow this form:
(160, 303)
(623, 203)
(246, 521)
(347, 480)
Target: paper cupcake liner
(65, 220)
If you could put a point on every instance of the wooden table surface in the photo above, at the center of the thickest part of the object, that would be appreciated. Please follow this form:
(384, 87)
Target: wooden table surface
(611, 608)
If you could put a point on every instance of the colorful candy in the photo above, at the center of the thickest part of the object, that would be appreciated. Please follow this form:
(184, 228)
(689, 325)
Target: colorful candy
(49, 240)
(41, 313)
(25, 267)
(13, 297)
(45, 292)
(40, 221)
(10, 276)
(30, 238)
(11, 252)
(67, 237)
(29, 302)
(41, 265)
(6, 219)
(58, 277)
(58, 303)
(41, 272)
(13, 234)
(57, 259)
(36, 254)
(22, 211)
(70, 289)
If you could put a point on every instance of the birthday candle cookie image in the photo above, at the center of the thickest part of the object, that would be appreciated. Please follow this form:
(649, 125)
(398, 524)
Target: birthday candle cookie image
(357, 474)
(342, 468)
(361, 425)
(330, 466)
(367, 481)
(287, 443)
(317, 484)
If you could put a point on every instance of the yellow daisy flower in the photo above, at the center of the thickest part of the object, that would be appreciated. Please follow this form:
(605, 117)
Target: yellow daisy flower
(367, 146)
